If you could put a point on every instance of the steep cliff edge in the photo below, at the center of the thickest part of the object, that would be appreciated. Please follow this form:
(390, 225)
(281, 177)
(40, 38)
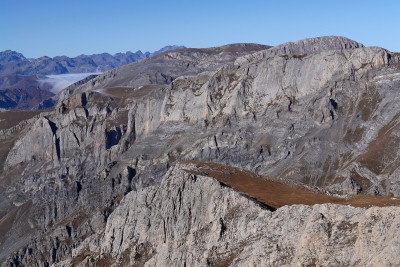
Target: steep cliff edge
(191, 220)
(319, 118)
(100, 180)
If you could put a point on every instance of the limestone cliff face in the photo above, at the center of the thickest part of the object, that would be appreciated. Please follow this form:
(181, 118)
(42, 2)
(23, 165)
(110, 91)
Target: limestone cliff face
(306, 117)
(99, 181)
(191, 220)
(303, 47)
(241, 89)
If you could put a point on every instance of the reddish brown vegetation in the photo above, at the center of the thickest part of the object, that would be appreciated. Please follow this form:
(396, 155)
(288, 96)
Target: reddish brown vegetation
(276, 193)
(383, 149)
(11, 118)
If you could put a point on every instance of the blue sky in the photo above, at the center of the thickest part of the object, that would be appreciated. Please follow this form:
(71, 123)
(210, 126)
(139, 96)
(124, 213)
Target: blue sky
(44, 27)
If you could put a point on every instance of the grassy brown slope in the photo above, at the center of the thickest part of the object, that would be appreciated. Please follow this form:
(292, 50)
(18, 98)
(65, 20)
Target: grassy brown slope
(122, 94)
(230, 48)
(10, 118)
(276, 194)
(383, 149)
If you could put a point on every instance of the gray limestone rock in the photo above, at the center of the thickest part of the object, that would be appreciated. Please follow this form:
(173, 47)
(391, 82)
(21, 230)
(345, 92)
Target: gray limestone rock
(102, 180)
(194, 221)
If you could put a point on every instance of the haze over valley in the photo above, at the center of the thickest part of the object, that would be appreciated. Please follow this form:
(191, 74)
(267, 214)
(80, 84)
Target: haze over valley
(34, 83)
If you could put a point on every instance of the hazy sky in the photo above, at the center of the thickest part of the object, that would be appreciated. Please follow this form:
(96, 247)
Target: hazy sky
(49, 27)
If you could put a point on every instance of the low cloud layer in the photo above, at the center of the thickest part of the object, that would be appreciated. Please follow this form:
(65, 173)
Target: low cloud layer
(60, 81)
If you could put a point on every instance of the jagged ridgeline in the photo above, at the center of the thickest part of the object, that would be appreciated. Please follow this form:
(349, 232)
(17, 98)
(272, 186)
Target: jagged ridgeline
(240, 155)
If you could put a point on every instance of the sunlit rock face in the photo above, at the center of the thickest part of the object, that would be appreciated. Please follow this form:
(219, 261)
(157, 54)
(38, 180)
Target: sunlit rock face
(113, 177)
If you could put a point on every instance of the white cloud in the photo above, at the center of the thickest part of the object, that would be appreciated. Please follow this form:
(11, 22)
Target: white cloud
(60, 81)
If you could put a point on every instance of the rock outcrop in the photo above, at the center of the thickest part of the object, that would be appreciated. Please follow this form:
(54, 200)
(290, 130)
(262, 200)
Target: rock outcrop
(105, 179)
(194, 221)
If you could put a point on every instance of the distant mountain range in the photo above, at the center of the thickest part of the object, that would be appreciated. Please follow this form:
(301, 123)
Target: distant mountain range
(21, 79)
(12, 62)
